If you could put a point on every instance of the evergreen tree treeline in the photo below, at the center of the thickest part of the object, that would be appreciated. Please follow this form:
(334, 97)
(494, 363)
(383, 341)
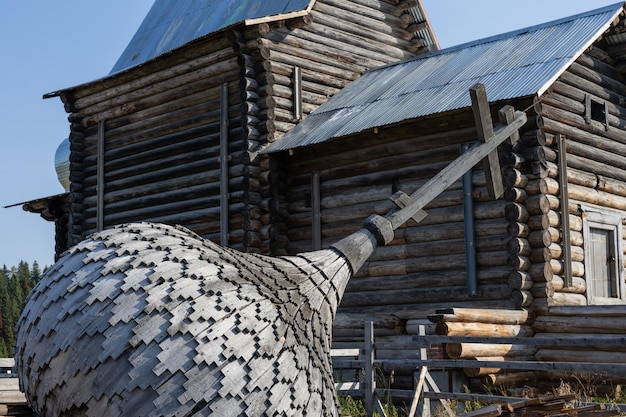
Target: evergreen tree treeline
(15, 284)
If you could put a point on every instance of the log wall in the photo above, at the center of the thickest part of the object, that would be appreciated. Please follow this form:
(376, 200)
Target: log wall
(162, 143)
(424, 268)
(596, 176)
(161, 120)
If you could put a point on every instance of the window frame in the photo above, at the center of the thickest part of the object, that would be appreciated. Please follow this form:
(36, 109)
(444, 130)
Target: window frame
(599, 218)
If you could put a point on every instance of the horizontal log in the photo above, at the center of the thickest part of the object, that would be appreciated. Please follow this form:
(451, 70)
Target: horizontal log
(204, 54)
(579, 325)
(586, 355)
(614, 310)
(520, 280)
(351, 31)
(584, 342)
(601, 70)
(518, 229)
(474, 372)
(543, 186)
(357, 321)
(375, 22)
(422, 309)
(473, 350)
(413, 327)
(578, 286)
(218, 73)
(483, 329)
(425, 279)
(522, 298)
(410, 296)
(596, 197)
(504, 380)
(481, 315)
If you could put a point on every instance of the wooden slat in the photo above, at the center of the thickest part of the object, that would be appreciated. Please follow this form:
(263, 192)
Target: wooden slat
(12, 397)
(7, 362)
(8, 384)
(490, 411)
(526, 365)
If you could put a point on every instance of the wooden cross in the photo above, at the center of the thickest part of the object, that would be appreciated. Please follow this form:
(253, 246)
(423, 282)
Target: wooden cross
(484, 129)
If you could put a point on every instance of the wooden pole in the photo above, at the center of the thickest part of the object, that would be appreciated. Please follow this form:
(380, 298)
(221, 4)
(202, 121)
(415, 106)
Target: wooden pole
(567, 247)
(224, 165)
(370, 378)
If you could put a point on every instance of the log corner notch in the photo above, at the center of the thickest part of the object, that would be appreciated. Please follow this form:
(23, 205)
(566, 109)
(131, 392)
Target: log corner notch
(379, 230)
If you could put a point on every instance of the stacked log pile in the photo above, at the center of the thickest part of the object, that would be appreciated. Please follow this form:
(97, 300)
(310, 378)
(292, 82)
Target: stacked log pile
(12, 400)
(487, 323)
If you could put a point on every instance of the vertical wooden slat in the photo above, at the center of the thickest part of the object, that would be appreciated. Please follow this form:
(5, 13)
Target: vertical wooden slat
(224, 165)
(567, 248)
(297, 93)
(100, 178)
(370, 380)
(317, 211)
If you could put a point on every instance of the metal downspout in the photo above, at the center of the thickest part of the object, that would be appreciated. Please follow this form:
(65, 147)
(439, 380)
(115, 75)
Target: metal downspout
(470, 240)
(224, 193)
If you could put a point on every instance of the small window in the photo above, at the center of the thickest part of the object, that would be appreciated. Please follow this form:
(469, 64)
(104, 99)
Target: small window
(603, 256)
(596, 109)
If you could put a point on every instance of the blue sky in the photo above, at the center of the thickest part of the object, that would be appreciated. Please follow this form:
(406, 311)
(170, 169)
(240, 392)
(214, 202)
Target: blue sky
(54, 44)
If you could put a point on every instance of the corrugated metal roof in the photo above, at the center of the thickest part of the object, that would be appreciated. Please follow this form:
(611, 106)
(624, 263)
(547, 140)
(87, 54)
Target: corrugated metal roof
(516, 64)
(171, 24)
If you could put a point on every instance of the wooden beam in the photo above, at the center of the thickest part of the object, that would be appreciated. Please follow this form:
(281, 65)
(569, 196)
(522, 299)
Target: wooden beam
(484, 128)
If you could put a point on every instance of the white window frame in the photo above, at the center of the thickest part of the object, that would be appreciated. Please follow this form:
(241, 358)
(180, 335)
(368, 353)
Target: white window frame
(599, 218)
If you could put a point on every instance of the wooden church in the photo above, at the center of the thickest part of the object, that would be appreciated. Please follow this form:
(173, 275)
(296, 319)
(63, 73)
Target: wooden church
(277, 129)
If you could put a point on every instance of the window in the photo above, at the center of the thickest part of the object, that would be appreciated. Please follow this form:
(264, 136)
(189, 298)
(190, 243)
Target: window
(596, 109)
(603, 256)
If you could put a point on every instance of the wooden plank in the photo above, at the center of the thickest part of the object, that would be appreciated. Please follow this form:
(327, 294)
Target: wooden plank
(520, 365)
(489, 411)
(7, 362)
(370, 380)
(484, 128)
(418, 391)
(12, 397)
(9, 384)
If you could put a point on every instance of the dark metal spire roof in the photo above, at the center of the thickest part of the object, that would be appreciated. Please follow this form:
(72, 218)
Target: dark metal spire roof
(512, 65)
(170, 24)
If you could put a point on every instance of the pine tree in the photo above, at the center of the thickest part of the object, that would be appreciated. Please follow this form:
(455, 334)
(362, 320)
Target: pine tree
(15, 284)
